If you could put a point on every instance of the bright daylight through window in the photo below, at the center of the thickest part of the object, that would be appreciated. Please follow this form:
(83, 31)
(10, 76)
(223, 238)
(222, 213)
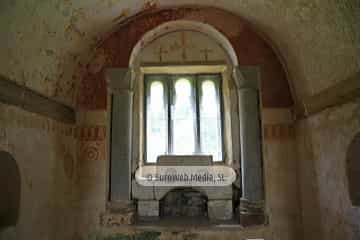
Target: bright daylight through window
(183, 115)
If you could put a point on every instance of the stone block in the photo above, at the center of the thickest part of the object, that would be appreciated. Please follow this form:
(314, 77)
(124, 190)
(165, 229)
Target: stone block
(160, 192)
(117, 219)
(148, 208)
(218, 192)
(142, 192)
(118, 213)
(220, 209)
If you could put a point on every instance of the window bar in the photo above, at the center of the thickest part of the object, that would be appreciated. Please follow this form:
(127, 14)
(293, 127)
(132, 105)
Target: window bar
(169, 87)
(221, 115)
(146, 102)
(197, 114)
(218, 84)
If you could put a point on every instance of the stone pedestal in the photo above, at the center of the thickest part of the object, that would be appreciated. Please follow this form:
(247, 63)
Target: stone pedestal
(220, 210)
(148, 208)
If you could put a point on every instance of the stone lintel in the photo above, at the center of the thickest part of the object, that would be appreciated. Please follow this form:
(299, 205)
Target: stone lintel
(119, 79)
(247, 77)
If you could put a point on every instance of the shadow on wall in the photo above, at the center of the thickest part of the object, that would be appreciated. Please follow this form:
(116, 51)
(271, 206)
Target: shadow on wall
(9, 190)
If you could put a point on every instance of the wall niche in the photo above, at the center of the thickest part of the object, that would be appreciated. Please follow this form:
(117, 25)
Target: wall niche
(10, 190)
(184, 202)
(353, 170)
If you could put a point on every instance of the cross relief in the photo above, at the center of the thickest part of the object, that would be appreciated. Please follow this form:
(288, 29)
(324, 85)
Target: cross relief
(206, 52)
(182, 46)
(161, 52)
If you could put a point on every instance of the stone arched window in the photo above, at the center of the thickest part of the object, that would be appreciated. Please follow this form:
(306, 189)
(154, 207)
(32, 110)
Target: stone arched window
(126, 146)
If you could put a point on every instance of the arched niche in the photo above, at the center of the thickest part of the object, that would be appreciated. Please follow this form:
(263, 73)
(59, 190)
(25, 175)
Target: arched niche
(184, 25)
(198, 37)
(9, 190)
(353, 170)
(236, 36)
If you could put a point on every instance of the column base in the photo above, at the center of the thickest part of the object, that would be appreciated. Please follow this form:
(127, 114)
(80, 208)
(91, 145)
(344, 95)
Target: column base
(118, 213)
(251, 213)
(220, 210)
(148, 208)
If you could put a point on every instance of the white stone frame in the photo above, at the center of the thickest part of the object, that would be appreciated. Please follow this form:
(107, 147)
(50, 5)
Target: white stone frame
(228, 135)
(122, 88)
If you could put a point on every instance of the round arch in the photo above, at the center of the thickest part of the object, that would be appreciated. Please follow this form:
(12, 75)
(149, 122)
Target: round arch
(184, 25)
(243, 44)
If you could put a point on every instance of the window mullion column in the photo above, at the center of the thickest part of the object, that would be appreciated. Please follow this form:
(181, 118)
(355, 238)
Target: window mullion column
(197, 114)
(168, 110)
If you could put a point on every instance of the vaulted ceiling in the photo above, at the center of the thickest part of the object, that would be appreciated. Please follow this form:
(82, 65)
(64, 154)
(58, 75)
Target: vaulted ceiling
(44, 44)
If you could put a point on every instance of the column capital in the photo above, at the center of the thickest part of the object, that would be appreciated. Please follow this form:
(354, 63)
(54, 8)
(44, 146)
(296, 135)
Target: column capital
(120, 79)
(247, 77)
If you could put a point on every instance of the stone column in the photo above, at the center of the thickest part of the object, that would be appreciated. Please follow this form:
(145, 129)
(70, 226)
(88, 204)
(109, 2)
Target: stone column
(251, 202)
(120, 139)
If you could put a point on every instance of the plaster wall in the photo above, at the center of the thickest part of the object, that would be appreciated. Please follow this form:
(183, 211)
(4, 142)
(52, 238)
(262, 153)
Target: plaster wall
(47, 46)
(323, 141)
(47, 40)
(282, 203)
(45, 153)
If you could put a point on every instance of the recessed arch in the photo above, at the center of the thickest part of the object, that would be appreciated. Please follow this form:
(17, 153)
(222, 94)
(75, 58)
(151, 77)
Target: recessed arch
(117, 49)
(184, 25)
(10, 190)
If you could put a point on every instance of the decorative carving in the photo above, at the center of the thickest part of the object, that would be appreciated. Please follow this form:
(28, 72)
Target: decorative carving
(184, 46)
(206, 52)
(88, 158)
(89, 151)
(161, 52)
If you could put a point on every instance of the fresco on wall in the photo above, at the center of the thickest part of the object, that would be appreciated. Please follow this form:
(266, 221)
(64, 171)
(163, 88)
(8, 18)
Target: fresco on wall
(183, 47)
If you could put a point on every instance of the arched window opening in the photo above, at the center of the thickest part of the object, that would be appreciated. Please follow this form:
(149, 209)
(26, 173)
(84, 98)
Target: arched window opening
(183, 115)
(156, 130)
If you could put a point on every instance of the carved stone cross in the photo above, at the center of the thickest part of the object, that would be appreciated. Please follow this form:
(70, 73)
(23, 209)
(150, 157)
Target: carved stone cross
(184, 46)
(161, 52)
(206, 52)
